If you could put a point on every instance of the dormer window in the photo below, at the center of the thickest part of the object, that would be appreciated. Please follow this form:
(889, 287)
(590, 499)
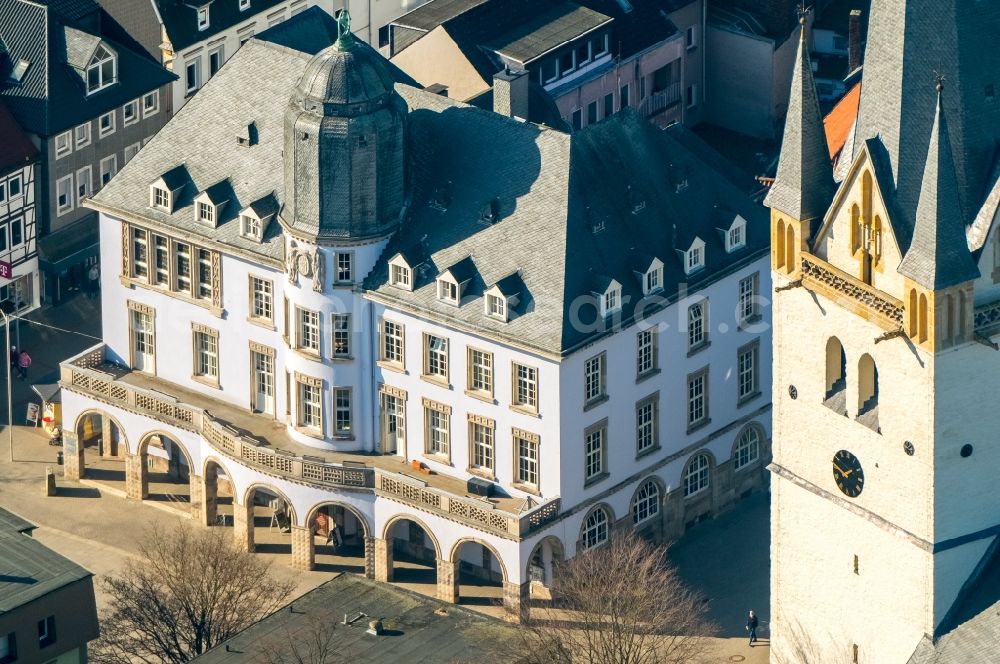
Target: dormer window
(17, 73)
(244, 5)
(654, 280)
(203, 18)
(447, 291)
(400, 274)
(250, 227)
(496, 306)
(736, 236)
(102, 71)
(159, 198)
(694, 257)
(205, 213)
(612, 301)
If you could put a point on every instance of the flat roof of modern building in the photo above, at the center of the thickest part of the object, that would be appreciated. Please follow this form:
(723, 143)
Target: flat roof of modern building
(415, 628)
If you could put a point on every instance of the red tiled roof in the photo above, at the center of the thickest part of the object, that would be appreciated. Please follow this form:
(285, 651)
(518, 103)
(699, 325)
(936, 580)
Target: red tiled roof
(15, 148)
(839, 121)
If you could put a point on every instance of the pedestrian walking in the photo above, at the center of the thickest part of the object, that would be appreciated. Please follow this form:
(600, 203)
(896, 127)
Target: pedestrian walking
(752, 623)
(23, 362)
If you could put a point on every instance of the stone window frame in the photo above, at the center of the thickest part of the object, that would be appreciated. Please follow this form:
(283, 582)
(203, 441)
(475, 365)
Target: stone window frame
(745, 441)
(303, 381)
(82, 139)
(341, 336)
(747, 305)
(696, 423)
(426, 374)
(516, 402)
(198, 332)
(653, 346)
(654, 401)
(63, 144)
(66, 183)
(601, 394)
(751, 349)
(337, 281)
(386, 391)
(661, 493)
(443, 410)
(339, 432)
(601, 473)
(517, 437)
(397, 364)
(134, 307)
(301, 313)
(261, 349)
(701, 322)
(489, 372)
(699, 476)
(265, 321)
(602, 527)
(197, 257)
(486, 425)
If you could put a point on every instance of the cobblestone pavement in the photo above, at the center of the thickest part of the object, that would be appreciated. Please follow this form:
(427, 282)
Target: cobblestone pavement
(726, 559)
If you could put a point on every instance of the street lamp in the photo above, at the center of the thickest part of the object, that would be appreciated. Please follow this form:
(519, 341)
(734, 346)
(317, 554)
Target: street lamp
(10, 408)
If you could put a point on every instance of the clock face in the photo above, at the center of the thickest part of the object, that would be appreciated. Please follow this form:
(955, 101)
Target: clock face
(847, 473)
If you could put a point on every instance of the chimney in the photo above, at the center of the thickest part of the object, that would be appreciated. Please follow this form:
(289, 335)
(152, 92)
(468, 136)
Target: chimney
(510, 93)
(854, 41)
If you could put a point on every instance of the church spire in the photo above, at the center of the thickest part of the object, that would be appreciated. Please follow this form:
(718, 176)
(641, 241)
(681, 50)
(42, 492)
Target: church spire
(939, 256)
(804, 184)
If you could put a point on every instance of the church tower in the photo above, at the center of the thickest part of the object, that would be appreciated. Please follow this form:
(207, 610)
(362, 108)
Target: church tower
(886, 311)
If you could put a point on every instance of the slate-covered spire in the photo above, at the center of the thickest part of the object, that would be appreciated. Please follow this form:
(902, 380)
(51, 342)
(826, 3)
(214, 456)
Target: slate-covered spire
(939, 256)
(804, 184)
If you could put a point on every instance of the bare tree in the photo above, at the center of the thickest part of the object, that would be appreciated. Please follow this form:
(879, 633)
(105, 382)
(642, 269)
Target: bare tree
(190, 590)
(317, 643)
(621, 603)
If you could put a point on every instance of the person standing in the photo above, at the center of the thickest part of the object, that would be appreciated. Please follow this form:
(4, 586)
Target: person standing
(14, 356)
(23, 362)
(752, 624)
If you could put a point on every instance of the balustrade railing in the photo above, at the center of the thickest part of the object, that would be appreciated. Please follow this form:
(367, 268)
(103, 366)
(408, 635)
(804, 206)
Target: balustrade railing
(89, 373)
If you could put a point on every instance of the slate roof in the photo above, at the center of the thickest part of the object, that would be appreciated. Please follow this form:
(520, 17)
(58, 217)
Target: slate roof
(803, 186)
(428, 16)
(564, 208)
(908, 41)
(203, 140)
(420, 629)
(938, 256)
(972, 630)
(15, 147)
(180, 18)
(11, 522)
(52, 97)
(554, 190)
(547, 30)
(29, 569)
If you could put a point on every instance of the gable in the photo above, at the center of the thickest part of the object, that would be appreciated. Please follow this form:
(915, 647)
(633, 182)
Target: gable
(437, 58)
(862, 221)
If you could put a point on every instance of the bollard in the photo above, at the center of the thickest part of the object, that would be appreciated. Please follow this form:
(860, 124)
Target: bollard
(50, 482)
(59, 458)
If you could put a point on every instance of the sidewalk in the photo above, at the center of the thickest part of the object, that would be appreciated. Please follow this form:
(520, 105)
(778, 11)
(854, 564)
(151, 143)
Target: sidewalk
(49, 335)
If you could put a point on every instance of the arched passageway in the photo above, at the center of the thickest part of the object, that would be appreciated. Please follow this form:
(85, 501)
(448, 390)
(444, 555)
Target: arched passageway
(219, 493)
(480, 573)
(409, 555)
(166, 473)
(265, 518)
(102, 449)
(337, 535)
(542, 564)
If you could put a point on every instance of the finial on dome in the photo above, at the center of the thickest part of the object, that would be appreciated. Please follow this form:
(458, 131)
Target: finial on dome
(802, 10)
(939, 82)
(345, 38)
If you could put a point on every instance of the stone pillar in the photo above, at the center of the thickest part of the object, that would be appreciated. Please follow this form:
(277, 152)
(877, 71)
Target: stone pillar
(303, 549)
(517, 601)
(210, 499)
(383, 560)
(136, 478)
(447, 581)
(370, 557)
(107, 446)
(243, 526)
(547, 563)
(72, 456)
(197, 489)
